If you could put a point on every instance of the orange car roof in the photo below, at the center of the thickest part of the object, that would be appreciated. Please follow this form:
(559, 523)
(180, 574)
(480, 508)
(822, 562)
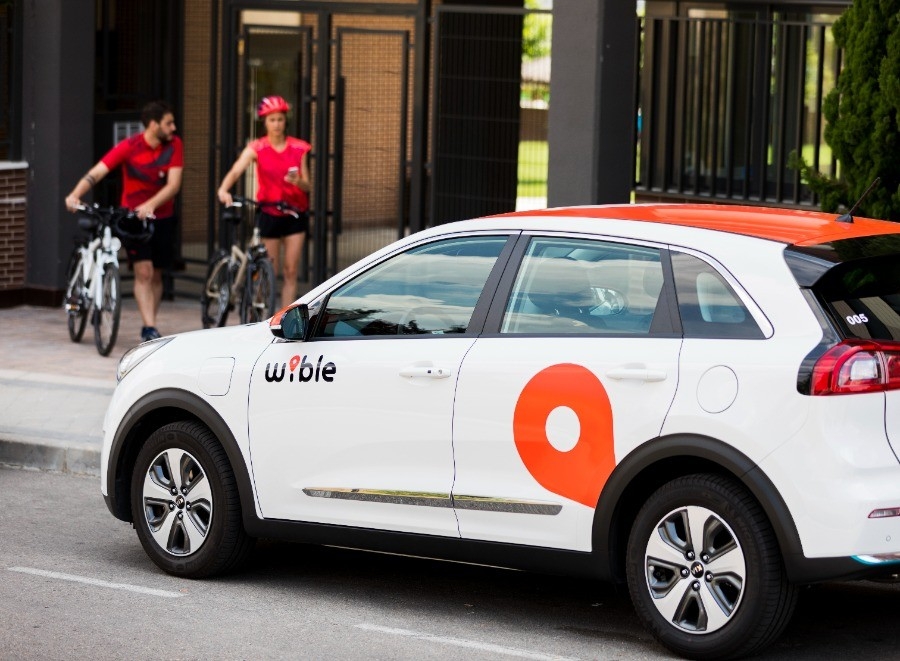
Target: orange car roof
(792, 226)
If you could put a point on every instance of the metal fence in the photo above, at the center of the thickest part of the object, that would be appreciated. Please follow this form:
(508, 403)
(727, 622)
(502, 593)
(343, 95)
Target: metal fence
(725, 103)
(491, 76)
(9, 143)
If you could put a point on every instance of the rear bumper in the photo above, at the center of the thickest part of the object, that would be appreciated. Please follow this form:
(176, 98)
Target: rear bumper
(833, 475)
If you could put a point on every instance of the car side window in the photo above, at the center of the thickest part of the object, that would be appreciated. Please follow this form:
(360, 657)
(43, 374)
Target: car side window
(428, 290)
(708, 305)
(575, 286)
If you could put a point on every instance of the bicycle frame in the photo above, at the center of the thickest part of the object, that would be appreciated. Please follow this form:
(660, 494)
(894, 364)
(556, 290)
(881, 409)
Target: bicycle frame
(242, 259)
(243, 275)
(95, 255)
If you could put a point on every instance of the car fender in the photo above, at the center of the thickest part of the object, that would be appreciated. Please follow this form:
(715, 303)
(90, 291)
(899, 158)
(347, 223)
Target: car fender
(148, 414)
(660, 460)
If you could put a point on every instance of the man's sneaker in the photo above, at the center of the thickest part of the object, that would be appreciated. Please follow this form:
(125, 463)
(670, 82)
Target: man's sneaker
(149, 333)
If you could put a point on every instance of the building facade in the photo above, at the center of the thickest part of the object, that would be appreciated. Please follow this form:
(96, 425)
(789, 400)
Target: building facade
(416, 109)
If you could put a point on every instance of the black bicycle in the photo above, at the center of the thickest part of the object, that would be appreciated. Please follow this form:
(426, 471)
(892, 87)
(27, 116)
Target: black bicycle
(238, 277)
(93, 284)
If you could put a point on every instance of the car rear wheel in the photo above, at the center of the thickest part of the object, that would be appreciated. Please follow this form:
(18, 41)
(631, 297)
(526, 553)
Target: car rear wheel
(705, 572)
(185, 504)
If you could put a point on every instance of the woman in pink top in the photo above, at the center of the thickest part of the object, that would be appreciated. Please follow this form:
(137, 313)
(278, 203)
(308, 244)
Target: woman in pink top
(282, 175)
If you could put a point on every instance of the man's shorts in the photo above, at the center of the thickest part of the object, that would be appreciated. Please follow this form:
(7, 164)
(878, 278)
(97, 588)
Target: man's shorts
(275, 227)
(160, 249)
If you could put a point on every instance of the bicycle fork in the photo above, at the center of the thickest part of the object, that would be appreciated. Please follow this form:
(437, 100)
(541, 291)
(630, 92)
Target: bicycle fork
(84, 295)
(106, 253)
(240, 258)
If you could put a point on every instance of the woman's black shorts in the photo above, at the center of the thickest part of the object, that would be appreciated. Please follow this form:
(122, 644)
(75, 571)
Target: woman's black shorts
(275, 227)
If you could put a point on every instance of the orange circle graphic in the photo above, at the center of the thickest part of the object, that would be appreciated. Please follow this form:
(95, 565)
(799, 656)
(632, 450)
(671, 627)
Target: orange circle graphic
(580, 473)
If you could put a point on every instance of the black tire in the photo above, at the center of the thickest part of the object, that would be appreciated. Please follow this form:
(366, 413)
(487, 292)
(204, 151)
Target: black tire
(185, 504)
(215, 300)
(731, 597)
(108, 310)
(75, 302)
(258, 302)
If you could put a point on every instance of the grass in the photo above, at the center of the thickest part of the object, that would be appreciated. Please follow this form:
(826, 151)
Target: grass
(533, 156)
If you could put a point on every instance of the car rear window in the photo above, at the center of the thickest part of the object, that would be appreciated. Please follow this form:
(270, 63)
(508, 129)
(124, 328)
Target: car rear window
(863, 297)
(576, 286)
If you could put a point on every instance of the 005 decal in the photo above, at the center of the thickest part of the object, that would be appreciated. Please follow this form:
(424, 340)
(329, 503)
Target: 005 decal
(580, 472)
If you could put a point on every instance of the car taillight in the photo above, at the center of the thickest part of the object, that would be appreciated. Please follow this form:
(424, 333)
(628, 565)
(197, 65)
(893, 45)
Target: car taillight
(857, 366)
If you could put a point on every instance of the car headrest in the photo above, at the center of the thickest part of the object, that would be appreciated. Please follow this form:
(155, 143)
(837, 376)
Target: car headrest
(561, 286)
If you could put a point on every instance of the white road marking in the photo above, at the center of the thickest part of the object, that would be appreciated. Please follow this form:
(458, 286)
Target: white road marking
(94, 581)
(462, 642)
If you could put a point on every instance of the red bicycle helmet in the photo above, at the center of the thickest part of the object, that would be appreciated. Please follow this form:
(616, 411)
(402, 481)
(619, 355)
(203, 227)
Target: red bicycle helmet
(270, 104)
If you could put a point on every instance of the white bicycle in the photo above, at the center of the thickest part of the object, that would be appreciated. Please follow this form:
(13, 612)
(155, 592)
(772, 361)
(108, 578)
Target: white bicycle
(92, 278)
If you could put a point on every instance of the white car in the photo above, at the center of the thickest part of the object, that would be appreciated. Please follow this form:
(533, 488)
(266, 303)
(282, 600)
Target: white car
(701, 401)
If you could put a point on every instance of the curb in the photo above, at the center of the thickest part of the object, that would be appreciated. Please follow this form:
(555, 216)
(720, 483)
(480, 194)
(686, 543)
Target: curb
(49, 457)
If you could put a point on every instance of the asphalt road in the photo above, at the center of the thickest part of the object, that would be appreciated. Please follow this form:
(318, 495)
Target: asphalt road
(75, 584)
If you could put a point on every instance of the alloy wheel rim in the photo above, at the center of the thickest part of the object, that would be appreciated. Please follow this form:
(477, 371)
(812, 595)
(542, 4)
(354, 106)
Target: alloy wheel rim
(178, 503)
(695, 570)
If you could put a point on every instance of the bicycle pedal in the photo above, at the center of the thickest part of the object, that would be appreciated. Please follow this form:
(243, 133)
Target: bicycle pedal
(74, 305)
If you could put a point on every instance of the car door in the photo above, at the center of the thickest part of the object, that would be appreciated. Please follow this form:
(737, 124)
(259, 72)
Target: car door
(577, 367)
(353, 427)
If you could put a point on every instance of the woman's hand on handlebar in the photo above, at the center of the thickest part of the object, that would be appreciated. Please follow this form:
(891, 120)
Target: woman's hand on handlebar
(225, 198)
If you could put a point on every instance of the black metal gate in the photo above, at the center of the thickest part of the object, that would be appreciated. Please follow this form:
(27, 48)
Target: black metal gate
(414, 113)
(348, 76)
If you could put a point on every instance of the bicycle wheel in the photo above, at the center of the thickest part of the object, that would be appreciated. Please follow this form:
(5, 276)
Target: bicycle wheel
(215, 301)
(75, 302)
(258, 302)
(107, 311)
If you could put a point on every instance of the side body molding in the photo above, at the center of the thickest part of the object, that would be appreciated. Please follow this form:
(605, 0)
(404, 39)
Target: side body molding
(152, 412)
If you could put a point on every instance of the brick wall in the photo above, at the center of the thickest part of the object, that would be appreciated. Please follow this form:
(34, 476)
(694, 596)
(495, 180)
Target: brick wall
(12, 232)
(193, 125)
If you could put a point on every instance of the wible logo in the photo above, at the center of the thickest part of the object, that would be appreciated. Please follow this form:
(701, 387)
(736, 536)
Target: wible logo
(307, 371)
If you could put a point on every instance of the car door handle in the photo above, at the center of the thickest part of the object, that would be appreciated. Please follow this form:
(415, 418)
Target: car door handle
(425, 371)
(636, 374)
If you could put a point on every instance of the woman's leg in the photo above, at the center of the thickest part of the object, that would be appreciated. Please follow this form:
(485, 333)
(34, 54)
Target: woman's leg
(293, 245)
(273, 247)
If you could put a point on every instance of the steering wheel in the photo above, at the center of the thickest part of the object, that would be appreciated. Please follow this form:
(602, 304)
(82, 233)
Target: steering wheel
(609, 302)
(424, 313)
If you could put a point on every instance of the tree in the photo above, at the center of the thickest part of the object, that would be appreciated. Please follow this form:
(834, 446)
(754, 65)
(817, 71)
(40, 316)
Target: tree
(863, 113)
(536, 32)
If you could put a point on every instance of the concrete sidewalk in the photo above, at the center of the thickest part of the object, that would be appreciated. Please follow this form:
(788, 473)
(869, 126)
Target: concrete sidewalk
(54, 392)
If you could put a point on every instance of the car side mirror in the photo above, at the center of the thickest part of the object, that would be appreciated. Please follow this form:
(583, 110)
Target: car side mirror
(291, 323)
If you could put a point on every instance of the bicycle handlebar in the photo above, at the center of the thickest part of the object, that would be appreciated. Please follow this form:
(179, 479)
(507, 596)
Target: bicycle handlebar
(237, 201)
(118, 219)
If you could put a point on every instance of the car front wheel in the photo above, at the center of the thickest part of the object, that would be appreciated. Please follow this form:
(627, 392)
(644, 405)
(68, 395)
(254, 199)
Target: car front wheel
(704, 570)
(185, 504)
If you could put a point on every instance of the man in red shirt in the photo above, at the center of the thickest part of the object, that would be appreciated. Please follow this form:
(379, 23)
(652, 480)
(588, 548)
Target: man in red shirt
(152, 164)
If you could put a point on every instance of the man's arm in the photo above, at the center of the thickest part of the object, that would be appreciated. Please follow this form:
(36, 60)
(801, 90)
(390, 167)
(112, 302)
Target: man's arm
(166, 193)
(86, 183)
